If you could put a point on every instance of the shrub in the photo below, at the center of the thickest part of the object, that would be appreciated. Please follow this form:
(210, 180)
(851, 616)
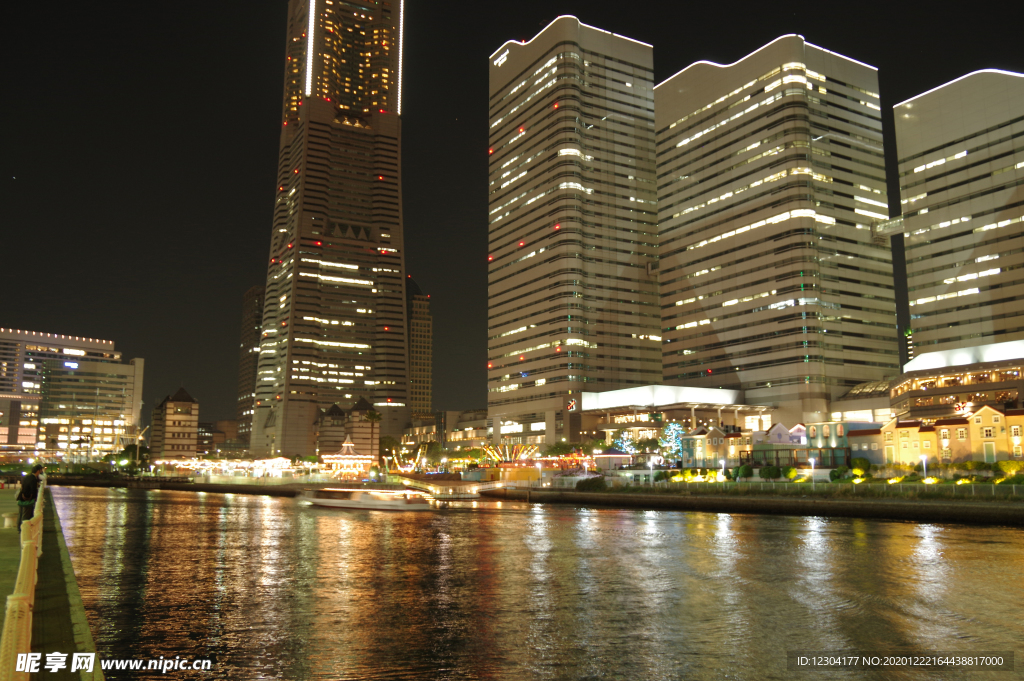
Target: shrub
(595, 484)
(789, 472)
(837, 473)
(745, 471)
(1015, 480)
(662, 475)
(1010, 466)
(860, 465)
(769, 472)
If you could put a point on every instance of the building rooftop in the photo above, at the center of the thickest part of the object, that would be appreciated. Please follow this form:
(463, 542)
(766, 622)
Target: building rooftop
(869, 389)
(992, 352)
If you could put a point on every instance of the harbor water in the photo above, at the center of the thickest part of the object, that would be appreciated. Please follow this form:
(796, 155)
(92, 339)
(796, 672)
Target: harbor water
(268, 588)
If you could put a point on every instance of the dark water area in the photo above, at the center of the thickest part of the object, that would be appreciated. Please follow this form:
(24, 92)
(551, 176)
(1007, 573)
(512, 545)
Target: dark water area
(268, 588)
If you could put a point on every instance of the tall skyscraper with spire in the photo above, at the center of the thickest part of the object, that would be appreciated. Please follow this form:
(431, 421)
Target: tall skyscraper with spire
(334, 318)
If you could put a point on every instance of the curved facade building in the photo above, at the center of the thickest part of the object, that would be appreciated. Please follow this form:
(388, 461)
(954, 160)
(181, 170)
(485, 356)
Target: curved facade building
(961, 160)
(771, 181)
(572, 228)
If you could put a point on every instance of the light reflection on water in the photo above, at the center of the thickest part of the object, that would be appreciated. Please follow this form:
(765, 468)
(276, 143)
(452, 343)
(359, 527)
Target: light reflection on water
(271, 589)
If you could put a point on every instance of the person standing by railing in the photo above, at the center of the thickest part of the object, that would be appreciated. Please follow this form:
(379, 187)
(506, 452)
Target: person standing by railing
(28, 494)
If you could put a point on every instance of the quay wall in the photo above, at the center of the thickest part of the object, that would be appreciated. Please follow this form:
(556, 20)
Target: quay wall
(954, 511)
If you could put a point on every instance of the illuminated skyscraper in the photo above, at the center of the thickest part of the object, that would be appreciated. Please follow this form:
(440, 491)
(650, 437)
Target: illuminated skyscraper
(248, 355)
(421, 348)
(775, 278)
(961, 159)
(572, 280)
(334, 318)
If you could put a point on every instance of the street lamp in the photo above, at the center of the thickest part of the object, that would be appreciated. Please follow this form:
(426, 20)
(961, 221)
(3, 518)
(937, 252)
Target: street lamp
(812, 471)
(722, 461)
(924, 463)
(540, 477)
(650, 462)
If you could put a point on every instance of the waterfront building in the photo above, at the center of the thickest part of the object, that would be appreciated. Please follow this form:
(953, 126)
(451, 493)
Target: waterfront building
(572, 227)
(248, 358)
(64, 395)
(454, 430)
(421, 347)
(643, 412)
(949, 383)
(334, 318)
(703, 447)
(868, 402)
(175, 428)
(961, 166)
(330, 430)
(775, 279)
(866, 443)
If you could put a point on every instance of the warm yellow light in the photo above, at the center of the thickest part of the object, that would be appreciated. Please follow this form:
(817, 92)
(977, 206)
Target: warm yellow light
(930, 480)
(893, 481)
(857, 481)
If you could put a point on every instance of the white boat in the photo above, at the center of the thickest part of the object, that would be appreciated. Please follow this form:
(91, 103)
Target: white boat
(369, 499)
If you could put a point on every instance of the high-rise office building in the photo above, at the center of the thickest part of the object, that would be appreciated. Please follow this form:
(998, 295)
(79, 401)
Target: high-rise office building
(421, 347)
(961, 161)
(771, 184)
(334, 318)
(248, 358)
(66, 396)
(572, 280)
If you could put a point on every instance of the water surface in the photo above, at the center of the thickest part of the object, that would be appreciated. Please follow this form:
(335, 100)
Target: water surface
(269, 588)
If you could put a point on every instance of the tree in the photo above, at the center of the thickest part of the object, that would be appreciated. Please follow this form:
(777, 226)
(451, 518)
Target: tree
(650, 443)
(374, 418)
(129, 453)
(433, 452)
(671, 440)
(623, 441)
(388, 447)
(562, 448)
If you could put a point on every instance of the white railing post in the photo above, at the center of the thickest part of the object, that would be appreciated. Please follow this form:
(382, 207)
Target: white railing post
(17, 629)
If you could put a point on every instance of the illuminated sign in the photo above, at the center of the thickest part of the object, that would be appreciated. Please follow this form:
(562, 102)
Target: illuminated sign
(571, 406)
(501, 58)
(963, 407)
(71, 365)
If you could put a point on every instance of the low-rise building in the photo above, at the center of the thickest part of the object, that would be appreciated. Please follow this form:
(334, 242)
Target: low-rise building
(988, 434)
(866, 443)
(175, 428)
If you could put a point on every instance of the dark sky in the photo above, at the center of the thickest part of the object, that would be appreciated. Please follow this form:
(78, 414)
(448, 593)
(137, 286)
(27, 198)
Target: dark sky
(140, 147)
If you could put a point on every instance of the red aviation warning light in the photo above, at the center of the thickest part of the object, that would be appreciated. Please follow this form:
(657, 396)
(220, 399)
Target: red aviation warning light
(490, 258)
(490, 366)
(490, 151)
(558, 227)
(521, 244)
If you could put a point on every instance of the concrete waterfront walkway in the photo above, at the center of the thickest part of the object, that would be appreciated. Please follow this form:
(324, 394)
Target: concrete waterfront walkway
(58, 619)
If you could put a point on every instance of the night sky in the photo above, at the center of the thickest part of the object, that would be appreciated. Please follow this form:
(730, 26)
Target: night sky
(140, 148)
